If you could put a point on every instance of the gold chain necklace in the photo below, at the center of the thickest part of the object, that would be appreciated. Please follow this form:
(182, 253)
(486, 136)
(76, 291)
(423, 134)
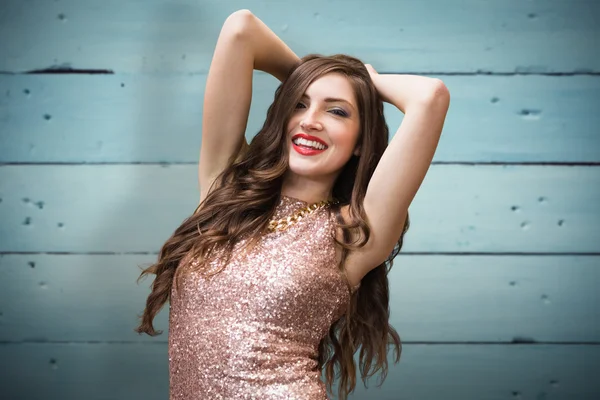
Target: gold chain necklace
(283, 223)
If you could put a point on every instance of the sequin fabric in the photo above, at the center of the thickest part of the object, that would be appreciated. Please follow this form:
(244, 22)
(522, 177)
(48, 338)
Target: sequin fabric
(252, 331)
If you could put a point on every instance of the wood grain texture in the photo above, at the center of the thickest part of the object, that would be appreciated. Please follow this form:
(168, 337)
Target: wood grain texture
(141, 118)
(459, 208)
(503, 299)
(509, 36)
(495, 294)
(98, 371)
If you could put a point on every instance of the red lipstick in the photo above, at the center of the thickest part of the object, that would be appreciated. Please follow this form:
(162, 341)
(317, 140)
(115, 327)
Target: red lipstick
(309, 137)
(306, 151)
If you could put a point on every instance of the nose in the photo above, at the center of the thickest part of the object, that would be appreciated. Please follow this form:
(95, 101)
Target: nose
(310, 122)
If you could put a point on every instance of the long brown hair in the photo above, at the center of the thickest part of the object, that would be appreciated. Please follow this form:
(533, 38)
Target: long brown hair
(243, 198)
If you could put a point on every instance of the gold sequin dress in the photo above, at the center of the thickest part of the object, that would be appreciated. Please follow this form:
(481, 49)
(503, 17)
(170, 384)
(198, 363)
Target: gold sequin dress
(252, 331)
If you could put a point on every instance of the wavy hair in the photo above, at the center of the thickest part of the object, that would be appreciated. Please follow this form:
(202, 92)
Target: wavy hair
(243, 199)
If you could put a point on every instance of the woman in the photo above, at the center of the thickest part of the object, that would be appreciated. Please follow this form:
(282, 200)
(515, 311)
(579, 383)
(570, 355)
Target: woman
(282, 270)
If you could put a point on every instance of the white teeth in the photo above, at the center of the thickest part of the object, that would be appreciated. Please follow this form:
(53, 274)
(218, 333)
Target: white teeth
(309, 143)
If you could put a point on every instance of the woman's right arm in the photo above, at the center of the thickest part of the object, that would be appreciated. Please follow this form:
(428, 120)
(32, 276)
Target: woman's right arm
(245, 43)
(270, 53)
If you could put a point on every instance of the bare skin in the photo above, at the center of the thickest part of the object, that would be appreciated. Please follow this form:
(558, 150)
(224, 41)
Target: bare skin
(311, 178)
(246, 43)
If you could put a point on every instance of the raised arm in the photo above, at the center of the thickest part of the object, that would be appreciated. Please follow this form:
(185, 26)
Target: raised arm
(402, 168)
(245, 43)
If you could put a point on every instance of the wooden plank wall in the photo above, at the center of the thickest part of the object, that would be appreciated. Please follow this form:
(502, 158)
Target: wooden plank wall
(496, 293)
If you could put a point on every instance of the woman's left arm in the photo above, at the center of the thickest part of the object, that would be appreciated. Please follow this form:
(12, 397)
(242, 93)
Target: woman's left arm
(402, 168)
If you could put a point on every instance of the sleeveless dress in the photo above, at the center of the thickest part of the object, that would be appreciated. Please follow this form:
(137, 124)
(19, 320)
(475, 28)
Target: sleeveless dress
(252, 331)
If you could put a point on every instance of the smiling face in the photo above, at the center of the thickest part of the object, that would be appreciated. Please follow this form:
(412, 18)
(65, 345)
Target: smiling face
(327, 120)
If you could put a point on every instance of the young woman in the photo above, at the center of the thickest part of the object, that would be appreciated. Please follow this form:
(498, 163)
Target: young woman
(281, 272)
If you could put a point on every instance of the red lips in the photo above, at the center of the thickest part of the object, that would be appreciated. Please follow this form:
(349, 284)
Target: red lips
(309, 137)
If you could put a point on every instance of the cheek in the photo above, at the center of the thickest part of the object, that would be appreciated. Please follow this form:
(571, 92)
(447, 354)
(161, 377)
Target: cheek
(344, 137)
(290, 125)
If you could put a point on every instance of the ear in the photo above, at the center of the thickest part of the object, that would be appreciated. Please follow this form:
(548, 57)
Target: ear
(357, 151)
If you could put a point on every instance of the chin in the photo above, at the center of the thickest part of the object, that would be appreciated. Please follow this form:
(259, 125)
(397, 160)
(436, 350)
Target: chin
(303, 168)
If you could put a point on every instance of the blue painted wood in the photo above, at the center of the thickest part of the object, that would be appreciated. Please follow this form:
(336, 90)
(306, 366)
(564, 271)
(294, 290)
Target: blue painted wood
(459, 208)
(139, 118)
(404, 35)
(124, 371)
(83, 298)
(80, 307)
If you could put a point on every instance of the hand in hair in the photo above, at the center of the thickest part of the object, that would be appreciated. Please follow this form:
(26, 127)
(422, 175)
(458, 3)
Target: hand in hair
(371, 70)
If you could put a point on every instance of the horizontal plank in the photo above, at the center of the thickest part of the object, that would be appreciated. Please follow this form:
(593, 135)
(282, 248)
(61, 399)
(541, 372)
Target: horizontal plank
(130, 371)
(425, 36)
(459, 208)
(124, 118)
(433, 298)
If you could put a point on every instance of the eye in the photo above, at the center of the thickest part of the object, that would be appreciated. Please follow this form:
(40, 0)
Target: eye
(340, 112)
(336, 111)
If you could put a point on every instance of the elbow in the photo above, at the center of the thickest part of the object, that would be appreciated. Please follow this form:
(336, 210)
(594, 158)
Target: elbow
(238, 23)
(439, 91)
(436, 94)
(240, 15)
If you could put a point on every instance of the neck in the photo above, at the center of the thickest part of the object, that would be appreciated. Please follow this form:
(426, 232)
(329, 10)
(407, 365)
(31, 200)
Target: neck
(310, 197)
(307, 189)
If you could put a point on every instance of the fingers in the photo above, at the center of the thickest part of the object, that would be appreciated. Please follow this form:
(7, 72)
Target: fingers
(370, 69)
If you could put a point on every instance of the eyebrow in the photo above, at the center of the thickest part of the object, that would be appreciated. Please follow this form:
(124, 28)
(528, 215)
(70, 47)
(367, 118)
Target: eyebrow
(331, 100)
